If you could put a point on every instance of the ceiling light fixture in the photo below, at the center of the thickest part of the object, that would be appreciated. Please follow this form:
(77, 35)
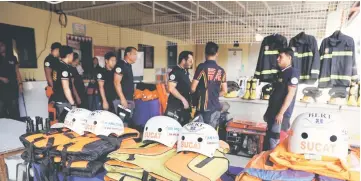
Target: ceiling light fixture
(54, 2)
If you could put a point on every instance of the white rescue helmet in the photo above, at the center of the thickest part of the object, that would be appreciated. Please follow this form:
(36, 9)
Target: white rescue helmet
(104, 123)
(162, 129)
(198, 137)
(75, 120)
(318, 134)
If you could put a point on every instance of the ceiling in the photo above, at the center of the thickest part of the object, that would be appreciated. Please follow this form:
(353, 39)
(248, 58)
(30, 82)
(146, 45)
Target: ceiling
(222, 21)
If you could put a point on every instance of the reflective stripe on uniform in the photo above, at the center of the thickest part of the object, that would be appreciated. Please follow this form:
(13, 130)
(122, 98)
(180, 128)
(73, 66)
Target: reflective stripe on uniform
(336, 77)
(326, 56)
(325, 79)
(304, 77)
(354, 77)
(273, 71)
(257, 73)
(337, 53)
(272, 52)
(315, 71)
(341, 77)
(306, 54)
(342, 53)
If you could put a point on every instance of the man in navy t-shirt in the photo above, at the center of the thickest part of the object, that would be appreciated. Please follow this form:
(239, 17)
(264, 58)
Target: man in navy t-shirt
(124, 80)
(209, 83)
(282, 100)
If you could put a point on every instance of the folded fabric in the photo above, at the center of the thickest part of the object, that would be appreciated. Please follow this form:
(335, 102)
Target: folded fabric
(327, 166)
(284, 175)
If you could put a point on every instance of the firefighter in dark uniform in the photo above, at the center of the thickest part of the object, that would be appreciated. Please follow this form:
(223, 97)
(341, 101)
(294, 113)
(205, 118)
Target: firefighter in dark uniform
(209, 83)
(123, 79)
(105, 78)
(50, 64)
(79, 91)
(10, 83)
(92, 89)
(282, 100)
(179, 85)
(63, 84)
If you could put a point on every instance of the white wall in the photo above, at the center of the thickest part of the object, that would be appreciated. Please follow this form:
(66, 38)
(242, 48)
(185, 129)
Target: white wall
(252, 58)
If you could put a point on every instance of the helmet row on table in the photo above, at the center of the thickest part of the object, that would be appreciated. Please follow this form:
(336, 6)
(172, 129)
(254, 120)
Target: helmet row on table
(311, 134)
(195, 136)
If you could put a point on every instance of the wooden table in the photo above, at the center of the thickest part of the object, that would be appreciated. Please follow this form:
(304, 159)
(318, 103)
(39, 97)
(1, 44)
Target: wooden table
(10, 131)
(3, 155)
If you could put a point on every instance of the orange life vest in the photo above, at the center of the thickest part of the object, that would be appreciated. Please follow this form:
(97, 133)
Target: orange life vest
(281, 160)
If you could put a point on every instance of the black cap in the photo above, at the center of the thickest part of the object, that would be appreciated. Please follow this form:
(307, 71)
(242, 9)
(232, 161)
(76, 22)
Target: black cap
(55, 46)
(65, 50)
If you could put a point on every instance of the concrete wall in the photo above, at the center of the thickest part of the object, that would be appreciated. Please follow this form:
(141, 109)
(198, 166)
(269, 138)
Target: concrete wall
(102, 34)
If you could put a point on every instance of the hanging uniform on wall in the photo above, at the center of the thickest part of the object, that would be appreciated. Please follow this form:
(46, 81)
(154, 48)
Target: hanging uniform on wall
(267, 68)
(306, 57)
(338, 66)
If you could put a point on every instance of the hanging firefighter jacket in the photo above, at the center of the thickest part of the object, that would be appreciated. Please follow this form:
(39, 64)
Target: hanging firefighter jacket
(306, 57)
(267, 68)
(338, 66)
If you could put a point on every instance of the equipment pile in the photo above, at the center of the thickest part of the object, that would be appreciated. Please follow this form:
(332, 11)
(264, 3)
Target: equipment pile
(79, 148)
(170, 152)
(317, 150)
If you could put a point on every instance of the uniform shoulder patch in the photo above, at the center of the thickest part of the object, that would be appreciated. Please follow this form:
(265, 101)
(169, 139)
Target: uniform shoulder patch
(47, 64)
(99, 76)
(172, 77)
(294, 80)
(65, 73)
(118, 70)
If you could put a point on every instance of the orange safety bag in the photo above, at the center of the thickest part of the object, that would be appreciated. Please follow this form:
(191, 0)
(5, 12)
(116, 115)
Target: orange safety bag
(49, 91)
(138, 94)
(327, 166)
(149, 95)
(163, 97)
(280, 160)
